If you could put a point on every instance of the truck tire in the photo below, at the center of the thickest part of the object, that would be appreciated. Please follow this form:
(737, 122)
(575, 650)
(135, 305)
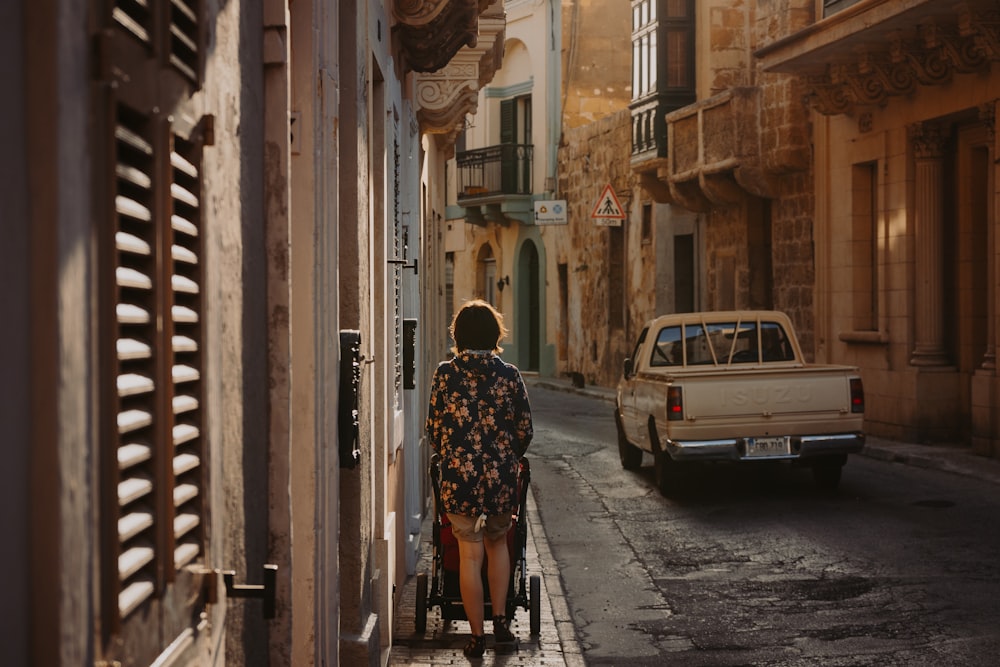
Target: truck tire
(827, 472)
(629, 454)
(665, 469)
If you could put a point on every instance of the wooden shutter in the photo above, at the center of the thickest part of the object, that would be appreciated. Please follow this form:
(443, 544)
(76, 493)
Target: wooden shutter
(508, 121)
(183, 27)
(136, 18)
(185, 348)
(136, 336)
(154, 500)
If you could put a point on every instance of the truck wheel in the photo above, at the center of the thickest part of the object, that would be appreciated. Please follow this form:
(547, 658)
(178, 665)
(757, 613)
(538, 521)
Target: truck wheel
(665, 469)
(827, 472)
(630, 455)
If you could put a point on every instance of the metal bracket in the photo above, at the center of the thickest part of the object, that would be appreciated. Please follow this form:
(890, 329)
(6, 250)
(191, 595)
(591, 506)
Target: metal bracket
(265, 591)
(405, 265)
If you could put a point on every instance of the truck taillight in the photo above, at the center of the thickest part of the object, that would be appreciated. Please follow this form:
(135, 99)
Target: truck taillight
(675, 404)
(857, 395)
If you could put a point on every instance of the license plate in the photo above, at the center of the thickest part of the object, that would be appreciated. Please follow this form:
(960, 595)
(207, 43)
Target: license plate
(768, 447)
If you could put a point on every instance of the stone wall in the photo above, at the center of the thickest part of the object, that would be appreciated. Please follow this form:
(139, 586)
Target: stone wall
(596, 60)
(591, 157)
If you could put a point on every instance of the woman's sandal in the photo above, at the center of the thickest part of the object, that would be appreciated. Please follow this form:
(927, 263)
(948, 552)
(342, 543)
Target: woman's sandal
(476, 646)
(501, 630)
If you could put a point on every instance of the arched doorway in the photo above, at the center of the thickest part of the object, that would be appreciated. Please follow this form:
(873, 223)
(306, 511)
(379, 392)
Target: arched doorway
(529, 306)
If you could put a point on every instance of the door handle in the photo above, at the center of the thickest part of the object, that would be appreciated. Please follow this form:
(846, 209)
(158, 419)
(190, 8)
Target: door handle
(265, 590)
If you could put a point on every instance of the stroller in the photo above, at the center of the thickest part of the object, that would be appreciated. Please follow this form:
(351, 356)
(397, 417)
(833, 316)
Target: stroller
(444, 592)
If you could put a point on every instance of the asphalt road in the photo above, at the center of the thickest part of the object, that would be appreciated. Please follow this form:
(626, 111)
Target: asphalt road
(759, 567)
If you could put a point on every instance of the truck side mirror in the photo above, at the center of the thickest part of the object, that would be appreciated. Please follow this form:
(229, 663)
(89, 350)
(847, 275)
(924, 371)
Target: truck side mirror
(627, 367)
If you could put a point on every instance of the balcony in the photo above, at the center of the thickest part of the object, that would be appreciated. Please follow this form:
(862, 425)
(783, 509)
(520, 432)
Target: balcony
(494, 183)
(495, 171)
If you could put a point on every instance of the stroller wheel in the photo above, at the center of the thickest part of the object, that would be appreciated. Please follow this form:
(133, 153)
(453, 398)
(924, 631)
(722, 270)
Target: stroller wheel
(535, 613)
(420, 623)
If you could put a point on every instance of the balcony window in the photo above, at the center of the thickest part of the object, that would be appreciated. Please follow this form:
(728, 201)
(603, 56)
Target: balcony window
(663, 78)
(503, 169)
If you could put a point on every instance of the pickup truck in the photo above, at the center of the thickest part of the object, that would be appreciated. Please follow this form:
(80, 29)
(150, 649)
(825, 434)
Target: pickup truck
(732, 386)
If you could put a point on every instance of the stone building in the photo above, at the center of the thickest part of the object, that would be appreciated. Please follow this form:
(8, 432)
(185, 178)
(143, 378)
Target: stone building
(838, 161)
(214, 362)
(564, 67)
(902, 100)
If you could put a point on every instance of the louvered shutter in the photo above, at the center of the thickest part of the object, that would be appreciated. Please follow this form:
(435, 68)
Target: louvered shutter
(136, 319)
(185, 345)
(154, 499)
(184, 38)
(399, 252)
(136, 17)
(508, 122)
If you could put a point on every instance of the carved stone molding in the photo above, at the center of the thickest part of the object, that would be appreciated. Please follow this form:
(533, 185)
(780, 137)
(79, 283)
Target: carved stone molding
(929, 140)
(430, 32)
(878, 60)
(444, 97)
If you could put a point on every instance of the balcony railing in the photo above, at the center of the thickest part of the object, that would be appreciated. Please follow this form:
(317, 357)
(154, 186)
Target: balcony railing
(494, 171)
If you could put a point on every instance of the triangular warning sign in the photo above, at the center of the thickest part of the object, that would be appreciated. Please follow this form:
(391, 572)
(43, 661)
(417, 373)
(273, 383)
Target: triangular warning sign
(608, 207)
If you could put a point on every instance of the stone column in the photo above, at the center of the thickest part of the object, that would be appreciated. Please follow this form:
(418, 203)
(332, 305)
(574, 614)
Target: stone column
(928, 146)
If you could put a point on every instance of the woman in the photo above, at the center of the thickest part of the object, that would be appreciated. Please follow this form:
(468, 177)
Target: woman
(479, 422)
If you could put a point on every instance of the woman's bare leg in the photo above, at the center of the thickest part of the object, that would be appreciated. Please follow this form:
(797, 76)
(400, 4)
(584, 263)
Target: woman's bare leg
(470, 583)
(498, 573)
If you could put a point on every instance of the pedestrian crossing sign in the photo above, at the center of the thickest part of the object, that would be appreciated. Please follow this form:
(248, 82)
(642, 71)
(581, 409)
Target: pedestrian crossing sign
(608, 210)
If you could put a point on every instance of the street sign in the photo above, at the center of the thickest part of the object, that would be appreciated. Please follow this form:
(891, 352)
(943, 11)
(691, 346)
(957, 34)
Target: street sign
(550, 212)
(608, 210)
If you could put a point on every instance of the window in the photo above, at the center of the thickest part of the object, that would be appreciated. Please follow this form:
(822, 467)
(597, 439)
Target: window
(678, 28)
(647, 222)
(663, 46)
(643, 48)
(515, 137)
(153, 469)
(669, 348)
(724, 343)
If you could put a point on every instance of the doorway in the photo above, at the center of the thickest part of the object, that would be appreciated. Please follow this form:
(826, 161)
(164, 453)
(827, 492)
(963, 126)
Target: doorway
(528, 302)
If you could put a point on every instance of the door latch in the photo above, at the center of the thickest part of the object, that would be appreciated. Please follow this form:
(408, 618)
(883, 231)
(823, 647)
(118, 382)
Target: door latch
(265, 590)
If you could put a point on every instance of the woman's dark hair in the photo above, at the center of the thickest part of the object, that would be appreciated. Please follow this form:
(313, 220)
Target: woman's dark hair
(477, 326)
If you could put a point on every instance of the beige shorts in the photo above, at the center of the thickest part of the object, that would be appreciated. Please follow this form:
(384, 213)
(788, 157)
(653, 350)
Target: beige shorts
(464, 527)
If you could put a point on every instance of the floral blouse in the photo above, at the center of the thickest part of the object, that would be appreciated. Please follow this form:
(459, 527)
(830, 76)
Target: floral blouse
(479, 421)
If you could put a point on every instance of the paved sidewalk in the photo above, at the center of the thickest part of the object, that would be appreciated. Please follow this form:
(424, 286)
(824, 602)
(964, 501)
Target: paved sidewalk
(442, 642)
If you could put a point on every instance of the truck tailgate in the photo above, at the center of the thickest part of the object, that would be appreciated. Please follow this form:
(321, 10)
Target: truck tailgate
(771, 395)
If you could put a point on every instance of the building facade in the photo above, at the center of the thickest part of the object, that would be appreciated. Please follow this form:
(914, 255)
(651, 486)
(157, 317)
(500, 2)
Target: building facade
(902, 102)
(829, 159)
(563, 68)
(837, 157)
(212, 379)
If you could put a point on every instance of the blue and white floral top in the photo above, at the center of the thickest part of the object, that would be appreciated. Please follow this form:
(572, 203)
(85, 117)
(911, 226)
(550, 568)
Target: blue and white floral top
(479, 421)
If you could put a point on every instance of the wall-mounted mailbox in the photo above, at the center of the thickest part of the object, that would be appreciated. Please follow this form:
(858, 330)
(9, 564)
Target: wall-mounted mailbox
(409, 353)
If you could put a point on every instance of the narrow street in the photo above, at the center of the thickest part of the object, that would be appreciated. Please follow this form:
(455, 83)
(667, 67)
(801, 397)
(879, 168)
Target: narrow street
(758, 566)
